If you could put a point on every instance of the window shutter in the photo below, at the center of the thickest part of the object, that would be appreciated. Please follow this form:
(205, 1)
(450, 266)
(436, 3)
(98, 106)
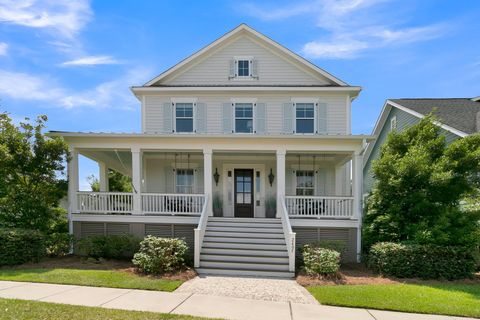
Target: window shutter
(254, 72)
(227, 118)
(233, 69)
(201, 117)
(322, 118)
(167, 117)
(260, 118)
(288, 117)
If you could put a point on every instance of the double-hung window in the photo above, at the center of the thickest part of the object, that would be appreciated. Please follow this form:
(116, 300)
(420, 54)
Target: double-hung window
(184, 117)
(184, 180)
(305, 117)
(305, 183)
(244, 117)
(243, 68)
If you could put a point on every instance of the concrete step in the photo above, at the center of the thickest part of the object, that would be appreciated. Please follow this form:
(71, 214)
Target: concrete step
(238, 272)
(254, 220)
(247, 246)
(244, 252)
(244, 266)
(244, 259)
(209, 238)
(245, 224)
(240, 229)
(245, 235)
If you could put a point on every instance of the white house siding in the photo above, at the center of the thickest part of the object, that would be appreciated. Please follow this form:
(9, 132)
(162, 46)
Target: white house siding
(337, 113)
(272, 68)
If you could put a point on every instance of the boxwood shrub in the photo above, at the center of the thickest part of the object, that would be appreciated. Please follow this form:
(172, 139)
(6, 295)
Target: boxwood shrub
(161, 255)
(108, 247)
(18, 246)
(421, 261)
(320, 261)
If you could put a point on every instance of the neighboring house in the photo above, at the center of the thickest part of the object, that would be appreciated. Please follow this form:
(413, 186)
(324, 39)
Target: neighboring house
(457, 117)
(240, 127)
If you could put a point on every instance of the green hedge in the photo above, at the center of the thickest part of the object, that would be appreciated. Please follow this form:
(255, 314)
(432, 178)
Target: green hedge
(421, 261)
(109, 247)
(320, 261)
(18, 246)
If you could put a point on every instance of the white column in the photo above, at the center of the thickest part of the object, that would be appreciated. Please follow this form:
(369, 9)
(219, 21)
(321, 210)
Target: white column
(72, 172)
(208, 179)
(280, 176)
(136, 180)
(103, 169)
(357, 184)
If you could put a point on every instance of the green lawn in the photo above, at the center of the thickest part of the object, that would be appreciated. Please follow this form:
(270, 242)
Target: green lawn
(96, 278)
(32, 310)
(447, 299)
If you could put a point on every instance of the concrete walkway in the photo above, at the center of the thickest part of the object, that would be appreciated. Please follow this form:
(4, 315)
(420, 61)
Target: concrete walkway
(194, 304)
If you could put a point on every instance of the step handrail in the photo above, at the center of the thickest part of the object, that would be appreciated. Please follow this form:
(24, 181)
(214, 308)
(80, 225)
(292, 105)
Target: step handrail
(199, 232)
(290, 236)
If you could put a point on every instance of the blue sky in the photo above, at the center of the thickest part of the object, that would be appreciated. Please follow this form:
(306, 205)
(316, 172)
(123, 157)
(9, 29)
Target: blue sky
(75, 61)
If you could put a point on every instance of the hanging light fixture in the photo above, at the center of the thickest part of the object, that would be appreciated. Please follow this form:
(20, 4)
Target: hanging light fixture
(271, 177)
(216, 176)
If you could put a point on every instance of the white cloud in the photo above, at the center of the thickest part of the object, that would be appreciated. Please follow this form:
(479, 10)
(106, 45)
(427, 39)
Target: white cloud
(3, 49)
(91, 60)
(339, 49)
(66, 17)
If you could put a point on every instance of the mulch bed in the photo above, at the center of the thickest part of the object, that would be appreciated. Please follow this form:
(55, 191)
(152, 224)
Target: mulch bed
(356, 274)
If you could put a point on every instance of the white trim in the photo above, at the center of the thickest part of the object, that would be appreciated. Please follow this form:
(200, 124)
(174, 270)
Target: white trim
(243, 100)
(315, 117)
(354, 89)
(143, 115)
(184, 100)
(243, 27)
(140, 218)
(254, 104)
(305, 100)
(315, 222)
(194, 104)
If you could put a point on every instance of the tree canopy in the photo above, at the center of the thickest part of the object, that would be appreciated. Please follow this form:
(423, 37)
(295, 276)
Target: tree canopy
(117, 182)
(419, 188)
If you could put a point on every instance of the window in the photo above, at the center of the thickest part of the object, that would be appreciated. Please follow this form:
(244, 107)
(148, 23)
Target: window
(243, 68)
(393, 123)
(305, 183)
(244, 117)
(184, 117)
(305, 118)
(184, 180)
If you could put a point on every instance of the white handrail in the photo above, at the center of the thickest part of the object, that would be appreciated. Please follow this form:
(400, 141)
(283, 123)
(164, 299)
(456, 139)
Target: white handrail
(104, 202)
(172, 203)
(199, 232)
(320, 206)
(290, 236)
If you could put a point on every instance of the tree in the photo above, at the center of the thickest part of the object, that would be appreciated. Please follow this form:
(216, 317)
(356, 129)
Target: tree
(31, 171)
(420, 184)
(117, 182)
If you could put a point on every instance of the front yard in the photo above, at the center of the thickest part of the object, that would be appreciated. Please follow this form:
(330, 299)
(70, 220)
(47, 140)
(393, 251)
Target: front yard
(78, 271)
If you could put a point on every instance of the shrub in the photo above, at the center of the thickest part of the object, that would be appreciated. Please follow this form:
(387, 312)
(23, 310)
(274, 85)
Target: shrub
(58, 244)
(320, 261)
(109, 247)
(160, 255)
(21, 245)
(423, 261)
(335, 245)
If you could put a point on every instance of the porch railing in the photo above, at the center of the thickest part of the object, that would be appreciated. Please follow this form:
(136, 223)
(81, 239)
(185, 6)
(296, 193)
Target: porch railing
(319, 207)
(173, 204)
(199, 232)
(104, 202)
(290, 236)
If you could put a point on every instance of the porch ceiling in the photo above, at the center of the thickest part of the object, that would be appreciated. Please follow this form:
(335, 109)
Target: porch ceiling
(118, 160)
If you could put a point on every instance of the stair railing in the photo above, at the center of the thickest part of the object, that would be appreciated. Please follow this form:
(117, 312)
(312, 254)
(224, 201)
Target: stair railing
(290, 236)
(199, 232)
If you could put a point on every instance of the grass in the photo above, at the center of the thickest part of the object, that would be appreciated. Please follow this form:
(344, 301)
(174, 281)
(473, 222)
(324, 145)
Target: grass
(96, 278)
(32, 310)
(446, 299)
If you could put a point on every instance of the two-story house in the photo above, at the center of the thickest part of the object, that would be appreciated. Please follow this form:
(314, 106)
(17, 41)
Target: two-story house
(241, 128)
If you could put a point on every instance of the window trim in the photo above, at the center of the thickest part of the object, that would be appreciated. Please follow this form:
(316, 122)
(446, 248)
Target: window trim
(176, 101)
(243, 101)
(237, 75)
(315, 116)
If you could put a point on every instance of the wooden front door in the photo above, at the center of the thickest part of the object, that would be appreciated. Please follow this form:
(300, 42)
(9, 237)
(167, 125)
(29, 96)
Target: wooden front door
(244, 193)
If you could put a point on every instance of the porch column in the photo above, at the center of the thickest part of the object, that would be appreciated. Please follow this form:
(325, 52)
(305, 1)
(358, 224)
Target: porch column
(136, 180)
(280, 176)
(208, 179)
(72, 172)
(357, 177)
(103, 176)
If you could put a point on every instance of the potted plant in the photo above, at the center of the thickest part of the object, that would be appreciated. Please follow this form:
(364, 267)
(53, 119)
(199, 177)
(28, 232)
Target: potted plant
(217, 205)
(271, 207)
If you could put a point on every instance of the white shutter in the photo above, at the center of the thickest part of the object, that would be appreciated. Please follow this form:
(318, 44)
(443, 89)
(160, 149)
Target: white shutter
(227, 118)
(167, 117)
(233, 69)
(322, 118)
(288, 117)
(260, 118)
(201, 117)
(254, 66)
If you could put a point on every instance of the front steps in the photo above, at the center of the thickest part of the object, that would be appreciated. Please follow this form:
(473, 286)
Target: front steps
(244, 247)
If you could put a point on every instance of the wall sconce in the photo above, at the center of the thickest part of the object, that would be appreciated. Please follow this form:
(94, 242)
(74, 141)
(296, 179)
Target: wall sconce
(216, 176)
(271, 177)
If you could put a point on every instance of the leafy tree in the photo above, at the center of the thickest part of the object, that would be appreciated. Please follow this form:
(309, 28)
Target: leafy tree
(117, 182)
(31, 171)
(420, 184)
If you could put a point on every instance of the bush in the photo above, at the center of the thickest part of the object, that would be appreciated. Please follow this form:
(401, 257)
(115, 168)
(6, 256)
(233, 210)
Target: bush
(320, 261)
(58, 244)
(422, 261)
(160, 255)
(109, 247)
(21, 245)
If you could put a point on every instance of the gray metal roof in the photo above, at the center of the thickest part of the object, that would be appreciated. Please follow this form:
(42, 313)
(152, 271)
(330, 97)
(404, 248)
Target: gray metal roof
(459, 113)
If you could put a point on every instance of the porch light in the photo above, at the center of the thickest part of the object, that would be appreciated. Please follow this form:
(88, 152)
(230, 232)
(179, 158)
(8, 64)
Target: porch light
(271, 177)
(216, 176)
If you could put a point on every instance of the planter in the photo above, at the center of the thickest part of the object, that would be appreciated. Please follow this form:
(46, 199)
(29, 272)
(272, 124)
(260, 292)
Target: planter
(218, 212)
(270, 213)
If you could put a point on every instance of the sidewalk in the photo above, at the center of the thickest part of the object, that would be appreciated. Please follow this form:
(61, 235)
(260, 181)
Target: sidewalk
(194, 304)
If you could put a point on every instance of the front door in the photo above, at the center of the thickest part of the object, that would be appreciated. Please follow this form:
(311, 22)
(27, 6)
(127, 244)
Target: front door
(244, 193)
